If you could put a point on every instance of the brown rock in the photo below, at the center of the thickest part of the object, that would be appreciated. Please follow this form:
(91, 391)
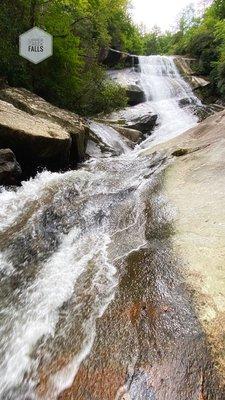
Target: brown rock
(131, 134)
(185, 66)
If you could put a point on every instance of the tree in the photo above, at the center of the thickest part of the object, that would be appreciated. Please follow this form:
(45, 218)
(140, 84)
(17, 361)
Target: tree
(72, 77)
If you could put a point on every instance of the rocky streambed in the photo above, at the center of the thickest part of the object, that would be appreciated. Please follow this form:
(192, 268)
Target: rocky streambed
(162, 337)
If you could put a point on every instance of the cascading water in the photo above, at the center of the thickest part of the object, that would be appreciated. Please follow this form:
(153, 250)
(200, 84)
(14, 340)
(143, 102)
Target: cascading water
(167, 94)
(63, 238)
(110, 138)
(165, 89)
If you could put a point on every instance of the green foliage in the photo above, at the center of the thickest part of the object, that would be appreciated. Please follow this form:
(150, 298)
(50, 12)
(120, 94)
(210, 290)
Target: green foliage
(107, 98)
(157, 43)
(72, 77)
(125, 35)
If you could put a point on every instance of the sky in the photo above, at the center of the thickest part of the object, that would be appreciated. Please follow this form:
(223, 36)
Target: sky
(159, 12)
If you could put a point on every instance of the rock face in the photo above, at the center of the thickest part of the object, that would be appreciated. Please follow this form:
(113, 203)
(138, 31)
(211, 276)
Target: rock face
(113, 57)
(194, 184)
(34, 140)
(10, 171)
(184, 64)
(35, 105)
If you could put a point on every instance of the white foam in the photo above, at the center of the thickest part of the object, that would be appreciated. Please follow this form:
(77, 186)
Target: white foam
(164, 88)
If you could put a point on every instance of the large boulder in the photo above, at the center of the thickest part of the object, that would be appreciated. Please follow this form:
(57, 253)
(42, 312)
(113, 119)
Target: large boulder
(10, 170)
(36, 142)
(145, 123)
(135, 95)
(35, 105)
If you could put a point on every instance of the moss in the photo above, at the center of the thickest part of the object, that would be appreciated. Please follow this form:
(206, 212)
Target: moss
(180, 152)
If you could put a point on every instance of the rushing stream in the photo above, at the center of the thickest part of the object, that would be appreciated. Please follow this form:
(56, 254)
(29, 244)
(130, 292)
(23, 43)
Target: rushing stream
(64, 238)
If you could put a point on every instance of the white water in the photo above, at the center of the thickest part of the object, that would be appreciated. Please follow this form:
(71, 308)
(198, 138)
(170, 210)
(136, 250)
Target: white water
(164, 88)
(110, 138)
(62, 238)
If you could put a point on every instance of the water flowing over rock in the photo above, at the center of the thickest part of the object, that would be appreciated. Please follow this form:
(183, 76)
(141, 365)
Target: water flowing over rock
(164, 89)
(96, 301)
(107, 138)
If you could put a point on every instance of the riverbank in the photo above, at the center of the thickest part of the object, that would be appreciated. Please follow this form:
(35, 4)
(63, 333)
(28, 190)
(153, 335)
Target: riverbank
(194, 184)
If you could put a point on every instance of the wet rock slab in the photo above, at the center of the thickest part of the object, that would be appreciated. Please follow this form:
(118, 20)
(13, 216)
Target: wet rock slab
(194, 184)
(162, 337)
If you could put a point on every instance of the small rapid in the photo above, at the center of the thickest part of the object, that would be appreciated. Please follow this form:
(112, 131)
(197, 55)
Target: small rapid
(64, 238)
(59, 251)
(112, 140)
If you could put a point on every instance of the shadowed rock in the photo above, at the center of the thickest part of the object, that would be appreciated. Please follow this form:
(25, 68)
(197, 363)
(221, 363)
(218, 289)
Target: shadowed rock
(34, 140)
(36, 106)
(10, 171)
(145, 123)
(135, 95)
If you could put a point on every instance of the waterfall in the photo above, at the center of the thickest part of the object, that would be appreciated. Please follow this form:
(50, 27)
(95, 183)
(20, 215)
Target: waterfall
(165, 90)
(64, 238)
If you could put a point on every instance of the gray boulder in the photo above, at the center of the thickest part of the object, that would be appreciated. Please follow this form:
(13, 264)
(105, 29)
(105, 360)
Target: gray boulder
(145, 123)
(10, 170)
(135, 95)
